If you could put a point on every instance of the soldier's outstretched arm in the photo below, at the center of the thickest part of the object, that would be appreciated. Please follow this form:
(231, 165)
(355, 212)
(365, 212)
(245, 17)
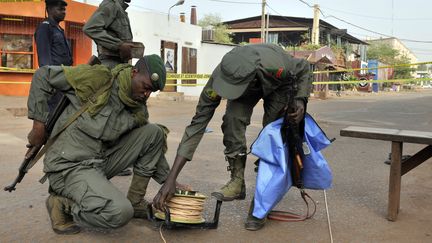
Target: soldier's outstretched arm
(168, 188)
(205, 109)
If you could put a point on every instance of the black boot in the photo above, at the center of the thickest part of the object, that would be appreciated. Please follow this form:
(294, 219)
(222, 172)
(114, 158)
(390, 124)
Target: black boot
(253, 223)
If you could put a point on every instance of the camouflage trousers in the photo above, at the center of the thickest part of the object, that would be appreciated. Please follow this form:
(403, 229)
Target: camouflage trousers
(238, 116)
(98, 203)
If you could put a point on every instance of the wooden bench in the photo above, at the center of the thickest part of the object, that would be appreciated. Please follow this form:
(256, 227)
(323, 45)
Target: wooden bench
(397, 167)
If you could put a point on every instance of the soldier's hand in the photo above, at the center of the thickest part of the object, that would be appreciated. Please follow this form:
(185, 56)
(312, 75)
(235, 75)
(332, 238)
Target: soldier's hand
(298, 115)
(125, 51)
(164, 194)
(37, 135)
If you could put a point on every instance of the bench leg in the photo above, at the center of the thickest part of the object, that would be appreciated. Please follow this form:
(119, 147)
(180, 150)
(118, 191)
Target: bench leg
(395, 181)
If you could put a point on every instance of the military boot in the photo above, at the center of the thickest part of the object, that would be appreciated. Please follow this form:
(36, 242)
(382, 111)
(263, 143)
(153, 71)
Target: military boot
(235, 188)
(136, 193)
(253, 223)
(59, 210)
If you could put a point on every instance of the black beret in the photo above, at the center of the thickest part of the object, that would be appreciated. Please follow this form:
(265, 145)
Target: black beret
(55, 2)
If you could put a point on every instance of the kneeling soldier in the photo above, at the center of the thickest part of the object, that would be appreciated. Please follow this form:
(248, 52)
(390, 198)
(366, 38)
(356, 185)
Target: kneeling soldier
(112, 134)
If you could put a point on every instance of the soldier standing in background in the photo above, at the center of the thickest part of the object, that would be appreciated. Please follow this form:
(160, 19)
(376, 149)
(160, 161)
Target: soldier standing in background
(51, 44)
(110, 28)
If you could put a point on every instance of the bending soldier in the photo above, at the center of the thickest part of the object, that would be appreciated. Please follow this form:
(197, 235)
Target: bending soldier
(112, 134)
(245, 75)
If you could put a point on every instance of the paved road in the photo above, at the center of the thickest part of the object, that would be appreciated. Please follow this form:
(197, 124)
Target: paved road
(407, 110)
(357, 202)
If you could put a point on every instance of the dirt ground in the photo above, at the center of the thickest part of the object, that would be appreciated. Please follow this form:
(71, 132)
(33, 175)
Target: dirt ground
(357, 202)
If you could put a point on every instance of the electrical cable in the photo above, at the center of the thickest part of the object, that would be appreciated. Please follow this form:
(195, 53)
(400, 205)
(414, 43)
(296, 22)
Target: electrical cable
(287, 19)
(161, 234)
(365, 29)
(375, 17)
(309, 5)
(235, 2)
(328, 217)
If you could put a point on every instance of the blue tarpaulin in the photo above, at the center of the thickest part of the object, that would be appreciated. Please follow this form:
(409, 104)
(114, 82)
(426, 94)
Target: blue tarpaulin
(274, 175)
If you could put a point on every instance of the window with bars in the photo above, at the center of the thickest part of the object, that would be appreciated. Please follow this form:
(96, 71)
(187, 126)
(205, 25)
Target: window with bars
(16, 51)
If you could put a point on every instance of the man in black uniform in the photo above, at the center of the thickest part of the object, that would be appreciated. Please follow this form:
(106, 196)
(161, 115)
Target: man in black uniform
(52, 46)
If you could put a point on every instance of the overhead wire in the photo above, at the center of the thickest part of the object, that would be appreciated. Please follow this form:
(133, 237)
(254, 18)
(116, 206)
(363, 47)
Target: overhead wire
(375, 17)
(287, 19)
(309, 5)
(235, 2)
(365, 29)
(240, 2)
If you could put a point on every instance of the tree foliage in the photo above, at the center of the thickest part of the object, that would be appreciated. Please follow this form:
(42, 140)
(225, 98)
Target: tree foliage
(214, 21)
(386, 54)
(403, 72)
(382, 52)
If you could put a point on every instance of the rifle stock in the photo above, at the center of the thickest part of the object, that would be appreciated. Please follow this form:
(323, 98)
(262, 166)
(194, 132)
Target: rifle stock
(31, 154)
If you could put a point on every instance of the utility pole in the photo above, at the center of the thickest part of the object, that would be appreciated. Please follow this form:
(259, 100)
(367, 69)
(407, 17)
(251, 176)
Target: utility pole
(392, 19)
(267, 28)
(263, 21)
(315, 26)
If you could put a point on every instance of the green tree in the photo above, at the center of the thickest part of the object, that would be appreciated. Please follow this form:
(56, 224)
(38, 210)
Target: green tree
(403, 71)
(386, 54)
(214, 21)
(382, 52)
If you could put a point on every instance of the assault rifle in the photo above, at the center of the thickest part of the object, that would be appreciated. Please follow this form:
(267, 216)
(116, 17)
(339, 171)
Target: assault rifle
(292, 133)
(34, 153)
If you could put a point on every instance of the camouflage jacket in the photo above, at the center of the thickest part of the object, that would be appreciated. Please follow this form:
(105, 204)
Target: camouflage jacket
(88, 137)
(109, 27)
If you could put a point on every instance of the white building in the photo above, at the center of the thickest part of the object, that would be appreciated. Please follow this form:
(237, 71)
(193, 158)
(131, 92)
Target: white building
(164, 37)
(395, 43)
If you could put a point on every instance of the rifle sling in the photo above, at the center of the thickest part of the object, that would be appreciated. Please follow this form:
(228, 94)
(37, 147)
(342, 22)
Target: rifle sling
(51, 141)
(286, 216)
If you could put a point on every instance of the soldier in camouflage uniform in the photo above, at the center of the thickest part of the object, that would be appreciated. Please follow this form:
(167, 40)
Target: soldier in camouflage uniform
(109, 27)
(245, 75)
(112, 134)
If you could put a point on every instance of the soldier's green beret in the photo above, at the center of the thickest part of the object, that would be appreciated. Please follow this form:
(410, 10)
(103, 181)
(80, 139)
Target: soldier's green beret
(55, 2)
(236, 70)
(156, 70)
